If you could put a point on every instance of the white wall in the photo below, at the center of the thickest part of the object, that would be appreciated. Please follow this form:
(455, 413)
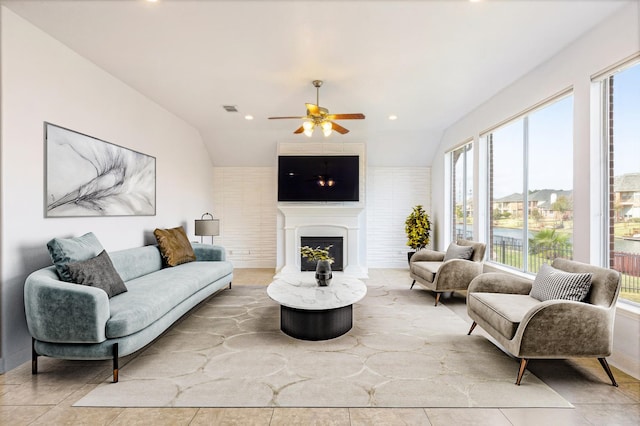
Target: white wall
(615, 39)
(42, 80)
(391, 194)
(245, 202)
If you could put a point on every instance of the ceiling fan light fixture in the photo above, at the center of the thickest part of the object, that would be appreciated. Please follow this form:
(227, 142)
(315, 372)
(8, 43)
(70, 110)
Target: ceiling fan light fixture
(308, 133)
(308, 125)
(326, 128)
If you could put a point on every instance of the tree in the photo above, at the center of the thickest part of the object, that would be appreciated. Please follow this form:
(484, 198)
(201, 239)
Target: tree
(562, 204)
(417, 227)
(549, 244)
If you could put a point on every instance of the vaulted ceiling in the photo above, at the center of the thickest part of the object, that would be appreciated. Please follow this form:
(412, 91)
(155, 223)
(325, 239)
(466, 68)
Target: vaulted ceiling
(428, 62)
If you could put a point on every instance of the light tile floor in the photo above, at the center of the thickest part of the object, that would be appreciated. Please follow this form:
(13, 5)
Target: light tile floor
(47, 398)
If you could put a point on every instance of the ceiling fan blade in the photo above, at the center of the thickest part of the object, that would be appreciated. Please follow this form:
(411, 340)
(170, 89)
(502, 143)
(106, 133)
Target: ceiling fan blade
(338, 128)
(280, 118)
(299, 130)
(355, 116)
(313, 109)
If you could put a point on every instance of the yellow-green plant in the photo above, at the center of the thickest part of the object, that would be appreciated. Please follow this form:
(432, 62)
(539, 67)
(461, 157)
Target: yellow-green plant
(417, 227)
(315, 254)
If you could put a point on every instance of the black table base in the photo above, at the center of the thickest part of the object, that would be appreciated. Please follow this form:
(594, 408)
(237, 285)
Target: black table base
(316, 325)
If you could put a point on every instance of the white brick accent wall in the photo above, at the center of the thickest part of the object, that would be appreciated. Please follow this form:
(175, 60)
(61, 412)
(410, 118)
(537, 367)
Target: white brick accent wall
(391, 194)
(245, 201)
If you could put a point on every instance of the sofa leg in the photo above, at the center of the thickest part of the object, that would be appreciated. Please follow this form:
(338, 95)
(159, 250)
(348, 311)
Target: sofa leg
(34, 357)
(605, 365)
(412, 284)
(437, 298)
(115, 363)
(472, 327)
(523, 366)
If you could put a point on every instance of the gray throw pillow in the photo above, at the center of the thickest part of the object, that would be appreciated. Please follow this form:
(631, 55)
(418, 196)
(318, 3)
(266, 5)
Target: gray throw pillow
(458, 252)
(66, 250)
(551, 283)
(97, 272)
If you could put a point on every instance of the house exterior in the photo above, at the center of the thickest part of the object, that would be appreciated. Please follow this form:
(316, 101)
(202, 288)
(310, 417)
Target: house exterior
(627, 196)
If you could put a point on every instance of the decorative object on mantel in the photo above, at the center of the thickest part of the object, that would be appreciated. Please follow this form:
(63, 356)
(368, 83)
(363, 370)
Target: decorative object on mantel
(417, 226)
(318, 116)
(86, 176)
(323, 268)
(207, 227)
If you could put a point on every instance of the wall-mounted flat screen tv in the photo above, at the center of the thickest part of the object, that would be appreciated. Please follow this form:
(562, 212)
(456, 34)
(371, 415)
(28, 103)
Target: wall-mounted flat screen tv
(318, 178)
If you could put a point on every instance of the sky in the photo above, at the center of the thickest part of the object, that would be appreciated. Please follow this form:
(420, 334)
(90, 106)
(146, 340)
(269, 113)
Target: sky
(551, 141)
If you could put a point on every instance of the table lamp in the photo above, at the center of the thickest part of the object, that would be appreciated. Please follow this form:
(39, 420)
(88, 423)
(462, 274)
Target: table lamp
(208, 227)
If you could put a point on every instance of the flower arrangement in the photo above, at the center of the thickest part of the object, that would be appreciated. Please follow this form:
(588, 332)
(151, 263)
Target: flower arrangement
(417, 227)
(315, 254)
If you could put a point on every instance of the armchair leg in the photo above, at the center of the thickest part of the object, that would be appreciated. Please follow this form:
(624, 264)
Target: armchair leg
(605, 365)
(437, 298)
(472, 327)
(412, 284)
(523, 366)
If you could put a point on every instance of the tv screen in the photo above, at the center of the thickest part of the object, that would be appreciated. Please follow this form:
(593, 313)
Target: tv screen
(318, 178)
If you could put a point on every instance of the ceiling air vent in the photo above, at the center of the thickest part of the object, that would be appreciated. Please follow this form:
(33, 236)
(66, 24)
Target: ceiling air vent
(230, 108)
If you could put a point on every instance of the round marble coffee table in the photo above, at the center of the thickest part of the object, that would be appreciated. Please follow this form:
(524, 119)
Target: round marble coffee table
(310, 312)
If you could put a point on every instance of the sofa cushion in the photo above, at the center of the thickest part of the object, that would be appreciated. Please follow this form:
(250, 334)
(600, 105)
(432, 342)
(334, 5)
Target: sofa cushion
(97, 272)
(174, 246)
(551, 283)
(152, 296)
(458, 252)
(66, 250)
(425, 270)
(503, 312)
(136, 262)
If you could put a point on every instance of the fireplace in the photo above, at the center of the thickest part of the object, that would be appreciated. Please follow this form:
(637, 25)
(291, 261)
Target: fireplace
(322, 220)
(335, 251)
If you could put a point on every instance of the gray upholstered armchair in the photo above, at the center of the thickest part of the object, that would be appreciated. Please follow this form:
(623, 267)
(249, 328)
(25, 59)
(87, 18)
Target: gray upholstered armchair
(553, 329)
(440, 272)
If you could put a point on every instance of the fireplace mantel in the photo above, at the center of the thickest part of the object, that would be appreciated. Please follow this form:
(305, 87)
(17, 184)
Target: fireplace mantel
(323, 220)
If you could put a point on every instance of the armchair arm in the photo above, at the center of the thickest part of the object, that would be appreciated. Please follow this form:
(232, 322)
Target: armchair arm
(62, 312)
(456, 274)
(563, 328)
(426, 255)
(207, 252)
(497, 282)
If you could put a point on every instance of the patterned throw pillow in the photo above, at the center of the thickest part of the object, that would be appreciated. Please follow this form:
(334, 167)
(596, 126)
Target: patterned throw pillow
(174, 245)
(458, 252)
(98, 272)
(551, 283)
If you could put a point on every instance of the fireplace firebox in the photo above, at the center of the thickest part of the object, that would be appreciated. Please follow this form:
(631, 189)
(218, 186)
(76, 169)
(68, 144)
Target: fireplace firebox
(335, 251)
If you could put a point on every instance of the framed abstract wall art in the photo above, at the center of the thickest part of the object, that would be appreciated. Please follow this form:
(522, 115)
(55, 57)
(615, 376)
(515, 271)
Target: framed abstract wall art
(86, 176)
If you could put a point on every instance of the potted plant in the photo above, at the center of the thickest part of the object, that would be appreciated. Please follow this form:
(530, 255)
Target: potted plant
(417, 226)
(323, 267)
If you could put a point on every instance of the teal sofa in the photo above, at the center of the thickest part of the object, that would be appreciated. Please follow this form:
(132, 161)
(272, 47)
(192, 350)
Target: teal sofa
(77, 322)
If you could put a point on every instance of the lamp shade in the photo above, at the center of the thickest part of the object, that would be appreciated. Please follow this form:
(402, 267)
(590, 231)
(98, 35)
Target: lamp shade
(207, 227)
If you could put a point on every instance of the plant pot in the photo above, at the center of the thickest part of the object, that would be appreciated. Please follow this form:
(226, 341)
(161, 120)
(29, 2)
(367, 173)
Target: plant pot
(323, 273)
(409, 255)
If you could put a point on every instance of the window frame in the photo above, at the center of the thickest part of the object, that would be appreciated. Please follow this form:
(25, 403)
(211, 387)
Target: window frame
(485, 138)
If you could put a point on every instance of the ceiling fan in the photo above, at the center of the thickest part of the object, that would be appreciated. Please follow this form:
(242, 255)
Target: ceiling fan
(318, 116)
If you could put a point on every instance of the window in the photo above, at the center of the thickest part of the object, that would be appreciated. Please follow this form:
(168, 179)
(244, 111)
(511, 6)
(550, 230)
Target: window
(530, 187)
(462, 193)
(622, 124)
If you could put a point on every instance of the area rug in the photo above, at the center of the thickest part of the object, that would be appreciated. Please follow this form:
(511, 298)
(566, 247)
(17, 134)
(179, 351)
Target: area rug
(401, 352)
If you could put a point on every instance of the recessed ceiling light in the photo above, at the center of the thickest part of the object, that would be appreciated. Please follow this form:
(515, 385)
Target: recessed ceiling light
(248, 117)
(393, 117)
(152, 1)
